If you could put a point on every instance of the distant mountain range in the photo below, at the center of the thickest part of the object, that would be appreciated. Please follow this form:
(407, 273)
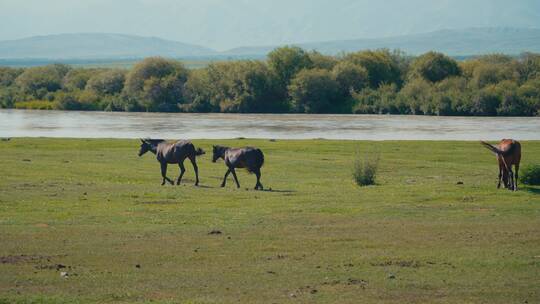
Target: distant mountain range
(97, 46)
(464, 42)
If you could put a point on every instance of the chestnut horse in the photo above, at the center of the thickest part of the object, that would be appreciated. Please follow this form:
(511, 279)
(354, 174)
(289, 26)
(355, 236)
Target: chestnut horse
(508, 153)
(172, 153)
(250, 158)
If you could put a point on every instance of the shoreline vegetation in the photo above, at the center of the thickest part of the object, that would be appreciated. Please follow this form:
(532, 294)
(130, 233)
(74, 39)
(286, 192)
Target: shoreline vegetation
(290, 80)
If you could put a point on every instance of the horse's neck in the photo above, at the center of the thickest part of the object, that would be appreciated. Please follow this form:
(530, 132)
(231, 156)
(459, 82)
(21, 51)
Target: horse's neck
(224, 151)
(153, 149)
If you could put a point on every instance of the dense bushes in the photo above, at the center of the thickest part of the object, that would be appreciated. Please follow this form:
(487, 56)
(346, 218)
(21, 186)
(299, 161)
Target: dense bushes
(531, 175)
(290, 80)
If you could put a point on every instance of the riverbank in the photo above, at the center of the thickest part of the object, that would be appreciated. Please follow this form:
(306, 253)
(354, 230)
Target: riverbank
(433, 229)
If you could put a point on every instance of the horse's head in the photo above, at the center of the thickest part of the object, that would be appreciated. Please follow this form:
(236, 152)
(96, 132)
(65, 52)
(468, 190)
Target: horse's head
(218, 152)
(145, 147)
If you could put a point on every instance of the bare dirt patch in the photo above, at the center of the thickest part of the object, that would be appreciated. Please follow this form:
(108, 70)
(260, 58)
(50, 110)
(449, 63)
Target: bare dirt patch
(23, 258)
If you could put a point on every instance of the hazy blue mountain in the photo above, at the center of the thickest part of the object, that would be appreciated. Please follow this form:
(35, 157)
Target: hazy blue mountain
(95, 46)
(464, 42)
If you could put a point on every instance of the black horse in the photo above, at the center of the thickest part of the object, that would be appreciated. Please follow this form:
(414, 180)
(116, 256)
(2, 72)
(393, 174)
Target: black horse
(172, 153)
(250, 158)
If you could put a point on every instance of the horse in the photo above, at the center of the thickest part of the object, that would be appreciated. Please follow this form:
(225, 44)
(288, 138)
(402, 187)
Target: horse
(250, 158)
(172, 153)
(508, 153)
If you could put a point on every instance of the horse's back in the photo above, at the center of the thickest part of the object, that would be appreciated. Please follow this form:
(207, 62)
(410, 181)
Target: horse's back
(249, 157)
(175, 152)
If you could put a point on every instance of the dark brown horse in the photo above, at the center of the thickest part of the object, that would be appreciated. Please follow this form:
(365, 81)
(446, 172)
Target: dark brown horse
(250, 158)
(172, 153)
(508, 153)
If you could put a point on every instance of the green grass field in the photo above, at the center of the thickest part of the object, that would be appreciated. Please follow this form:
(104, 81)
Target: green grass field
(417, 236)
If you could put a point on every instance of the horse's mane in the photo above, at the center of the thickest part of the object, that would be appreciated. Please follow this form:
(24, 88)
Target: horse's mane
(153, 142)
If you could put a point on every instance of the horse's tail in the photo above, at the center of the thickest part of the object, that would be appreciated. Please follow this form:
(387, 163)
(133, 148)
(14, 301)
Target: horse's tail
(498, 151)
(199, 152)
(491, 147)
(261, 159)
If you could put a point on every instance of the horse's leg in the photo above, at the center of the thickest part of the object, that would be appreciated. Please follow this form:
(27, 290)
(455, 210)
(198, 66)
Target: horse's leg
(511, 180)
(235, 178)
(225, 178)
(258, 174)
(193, 160)
(517, 178)
(500, 176)
(164, 174)
(182, 171)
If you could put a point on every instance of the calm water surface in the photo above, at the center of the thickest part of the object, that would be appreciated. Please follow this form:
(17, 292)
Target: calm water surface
(29, 123)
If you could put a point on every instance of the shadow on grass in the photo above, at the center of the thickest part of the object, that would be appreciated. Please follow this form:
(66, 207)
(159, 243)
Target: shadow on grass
(205, 187)
(278, 191)
(533, 190)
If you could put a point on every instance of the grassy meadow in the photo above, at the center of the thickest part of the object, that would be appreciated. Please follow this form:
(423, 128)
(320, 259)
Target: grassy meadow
(434, 229)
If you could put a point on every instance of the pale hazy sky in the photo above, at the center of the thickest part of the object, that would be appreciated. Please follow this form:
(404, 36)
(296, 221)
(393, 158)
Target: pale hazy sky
(223, 24)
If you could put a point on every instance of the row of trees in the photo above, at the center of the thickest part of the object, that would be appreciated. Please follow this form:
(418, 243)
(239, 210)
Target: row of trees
(290, 80)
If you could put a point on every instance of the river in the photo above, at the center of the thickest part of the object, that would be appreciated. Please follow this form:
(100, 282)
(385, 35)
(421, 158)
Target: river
(33, 123)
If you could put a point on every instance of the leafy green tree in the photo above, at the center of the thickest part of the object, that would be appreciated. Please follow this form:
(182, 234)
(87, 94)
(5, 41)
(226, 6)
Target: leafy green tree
(321, 61)
(158, 83)
(200, 92)
(108, 82)
(511, 103)
(528, 66)
(7, 97)
(285, 63)
(434, 67)
(530, 92)
(381, 66)
(350, 77)
(382, 100)
(8, 76)
(76, 79)
(244, 86)
(38, 81)
(256, 89)
(452, 96)
(76, 100)
(315, 91)
(417, 94)
(486, 102)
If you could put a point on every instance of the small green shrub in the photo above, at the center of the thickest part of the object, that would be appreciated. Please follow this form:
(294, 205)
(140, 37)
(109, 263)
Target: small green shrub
(35, 105)
(365, 169)
(531, 175)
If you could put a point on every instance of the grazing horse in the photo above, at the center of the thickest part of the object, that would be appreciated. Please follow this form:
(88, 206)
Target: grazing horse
(250, 158)
(172, 153)
(508, 153)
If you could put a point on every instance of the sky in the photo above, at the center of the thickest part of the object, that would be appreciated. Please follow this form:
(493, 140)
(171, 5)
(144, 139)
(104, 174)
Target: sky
(225, 24)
